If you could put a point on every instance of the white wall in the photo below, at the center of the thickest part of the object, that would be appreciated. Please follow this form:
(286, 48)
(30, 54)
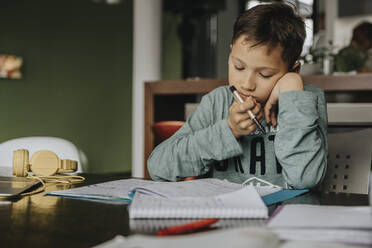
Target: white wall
(340, 29)
(146, 66)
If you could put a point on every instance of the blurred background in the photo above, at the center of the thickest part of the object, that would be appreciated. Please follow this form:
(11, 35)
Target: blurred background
(85, 61)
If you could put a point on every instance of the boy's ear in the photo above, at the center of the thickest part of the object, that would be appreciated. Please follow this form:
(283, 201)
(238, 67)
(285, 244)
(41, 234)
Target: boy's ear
(296, 67)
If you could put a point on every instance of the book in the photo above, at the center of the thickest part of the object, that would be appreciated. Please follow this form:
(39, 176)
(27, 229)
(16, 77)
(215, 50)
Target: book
(151, 226)
(122, 191)
(112, 191)
(242, 203)
(345, 224)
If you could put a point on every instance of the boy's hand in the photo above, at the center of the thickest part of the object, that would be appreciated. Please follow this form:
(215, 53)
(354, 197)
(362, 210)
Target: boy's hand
(291, 81)
(239, 121)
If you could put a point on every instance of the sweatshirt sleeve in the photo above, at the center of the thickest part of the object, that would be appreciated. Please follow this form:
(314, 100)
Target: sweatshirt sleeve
(301, 142)
(203, 139)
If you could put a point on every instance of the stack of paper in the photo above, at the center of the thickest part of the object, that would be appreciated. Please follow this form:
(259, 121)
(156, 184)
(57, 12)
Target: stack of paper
(351, 225)
(122, 191)
(113, 191)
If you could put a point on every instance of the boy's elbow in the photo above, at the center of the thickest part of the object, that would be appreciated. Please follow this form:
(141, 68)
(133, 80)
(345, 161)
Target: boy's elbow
(303, 183)
(156, 171)
(152, 169)
(307, 180)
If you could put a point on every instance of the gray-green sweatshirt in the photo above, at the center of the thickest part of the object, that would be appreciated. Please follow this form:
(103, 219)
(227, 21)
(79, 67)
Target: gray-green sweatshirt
(293, 154)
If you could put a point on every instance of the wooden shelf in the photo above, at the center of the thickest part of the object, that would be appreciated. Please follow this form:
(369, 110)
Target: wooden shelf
(329, 83)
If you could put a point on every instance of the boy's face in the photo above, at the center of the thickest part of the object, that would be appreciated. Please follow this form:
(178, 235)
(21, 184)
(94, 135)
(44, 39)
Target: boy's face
(253, 71)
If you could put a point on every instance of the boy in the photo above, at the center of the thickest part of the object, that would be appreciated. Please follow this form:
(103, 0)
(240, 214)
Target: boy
(355, 56)
(220, 140)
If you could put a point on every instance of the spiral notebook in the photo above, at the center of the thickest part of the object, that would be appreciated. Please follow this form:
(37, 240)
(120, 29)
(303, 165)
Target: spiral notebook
(242, 203)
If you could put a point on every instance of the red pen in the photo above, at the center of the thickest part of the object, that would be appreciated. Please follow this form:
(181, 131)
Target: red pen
(187, 228)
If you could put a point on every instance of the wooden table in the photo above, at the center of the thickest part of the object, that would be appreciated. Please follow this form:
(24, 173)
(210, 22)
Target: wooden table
(50, 221)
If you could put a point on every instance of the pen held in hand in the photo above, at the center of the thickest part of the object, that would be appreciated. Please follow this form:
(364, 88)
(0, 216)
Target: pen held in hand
(239, 99)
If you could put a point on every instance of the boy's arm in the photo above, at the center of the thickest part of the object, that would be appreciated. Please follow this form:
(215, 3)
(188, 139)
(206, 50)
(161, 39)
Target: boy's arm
(301, 142)
(203, 139)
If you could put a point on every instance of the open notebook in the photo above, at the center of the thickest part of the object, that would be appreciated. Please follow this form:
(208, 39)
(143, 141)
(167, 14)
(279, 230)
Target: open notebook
(242, 203)
(121, 191)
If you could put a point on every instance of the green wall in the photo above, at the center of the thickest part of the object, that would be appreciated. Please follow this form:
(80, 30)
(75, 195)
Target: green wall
(171, 47)
(77, 80)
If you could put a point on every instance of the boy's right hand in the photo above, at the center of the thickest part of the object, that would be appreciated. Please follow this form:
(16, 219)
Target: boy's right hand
(239, 121)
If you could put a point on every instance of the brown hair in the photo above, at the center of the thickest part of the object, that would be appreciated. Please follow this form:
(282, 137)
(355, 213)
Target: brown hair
(272, 25)
(362, 31)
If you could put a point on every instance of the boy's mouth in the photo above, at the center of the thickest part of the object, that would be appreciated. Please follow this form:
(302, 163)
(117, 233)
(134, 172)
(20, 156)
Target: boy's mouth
(244, 97)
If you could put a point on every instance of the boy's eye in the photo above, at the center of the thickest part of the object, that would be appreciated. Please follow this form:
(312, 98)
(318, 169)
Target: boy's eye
(265, 76)
(239, 68)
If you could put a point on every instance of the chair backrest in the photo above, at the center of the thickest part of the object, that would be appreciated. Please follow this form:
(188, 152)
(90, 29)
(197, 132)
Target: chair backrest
(63, 148)
(349, 161)
(165, 129)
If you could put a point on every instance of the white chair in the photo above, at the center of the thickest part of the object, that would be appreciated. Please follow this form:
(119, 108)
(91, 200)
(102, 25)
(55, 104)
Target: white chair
(349, 161)
(63, 148)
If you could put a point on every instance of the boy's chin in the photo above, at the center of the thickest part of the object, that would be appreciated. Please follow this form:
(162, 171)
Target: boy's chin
(262, 101)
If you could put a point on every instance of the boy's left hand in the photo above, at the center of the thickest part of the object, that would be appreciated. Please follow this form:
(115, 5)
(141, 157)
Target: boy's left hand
(291, 81)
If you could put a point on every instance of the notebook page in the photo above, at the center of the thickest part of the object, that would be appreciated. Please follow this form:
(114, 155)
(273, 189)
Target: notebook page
(316, 216)
(107, 190)
(194, 188)
(243, 203)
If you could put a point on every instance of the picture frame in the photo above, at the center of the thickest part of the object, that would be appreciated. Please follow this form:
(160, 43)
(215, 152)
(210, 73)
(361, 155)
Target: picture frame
(10, 66)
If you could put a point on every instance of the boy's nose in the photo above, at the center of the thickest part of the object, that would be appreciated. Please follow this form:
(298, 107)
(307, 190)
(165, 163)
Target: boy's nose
(248, 83)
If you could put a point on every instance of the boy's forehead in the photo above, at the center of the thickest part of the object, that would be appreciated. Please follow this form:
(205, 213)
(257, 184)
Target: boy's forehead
(245, 48)
(248, 43)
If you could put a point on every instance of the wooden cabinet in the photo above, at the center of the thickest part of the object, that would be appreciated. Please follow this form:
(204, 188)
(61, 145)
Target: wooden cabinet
(168, 88)
(361, 83)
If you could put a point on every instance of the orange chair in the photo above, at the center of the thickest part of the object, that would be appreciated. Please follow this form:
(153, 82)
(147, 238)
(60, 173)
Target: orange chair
(165, 129)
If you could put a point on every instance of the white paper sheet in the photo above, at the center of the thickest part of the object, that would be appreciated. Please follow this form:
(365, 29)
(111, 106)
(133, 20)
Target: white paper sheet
(345, 224)
(193, 188)
(112, 190)
(235, 237)
(348, 236)
(316, 216)
(119, 190)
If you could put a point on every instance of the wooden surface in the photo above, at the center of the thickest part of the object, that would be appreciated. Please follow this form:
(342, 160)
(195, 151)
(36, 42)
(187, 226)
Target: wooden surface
(50, 221)
(329, 83)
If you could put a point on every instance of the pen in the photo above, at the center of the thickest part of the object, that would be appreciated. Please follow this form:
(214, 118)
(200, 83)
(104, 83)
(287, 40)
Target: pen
(239, 99)
(187, 228)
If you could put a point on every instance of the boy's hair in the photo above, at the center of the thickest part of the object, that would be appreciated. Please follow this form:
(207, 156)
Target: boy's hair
(362, 31)
(272, 25)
